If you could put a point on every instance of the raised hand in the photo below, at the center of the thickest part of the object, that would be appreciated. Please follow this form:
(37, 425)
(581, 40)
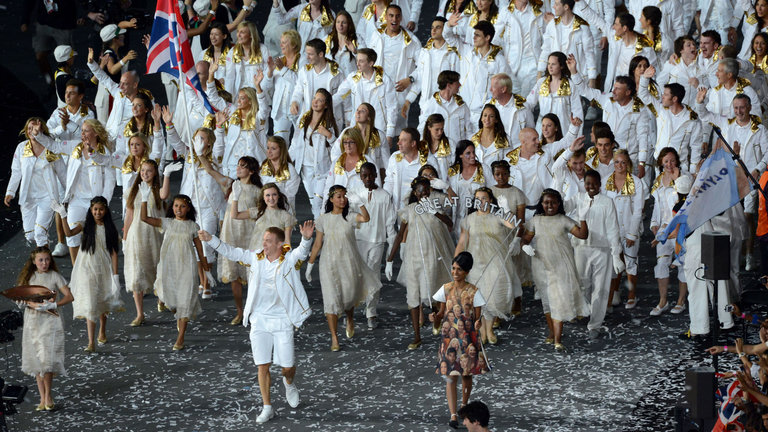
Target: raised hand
(650, 72)
(307, 229)
(577, 144)
(576, 121)
(145, 191)
(572, 65)
(167, 115)
(173, 167)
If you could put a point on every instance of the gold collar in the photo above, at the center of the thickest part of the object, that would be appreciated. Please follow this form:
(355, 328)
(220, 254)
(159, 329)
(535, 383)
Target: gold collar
(78, 151)
(325, 17)
(627, 189)
(128, 164)
(563, 90)
(339, 167)
(535, 6)
(267, 171)
(49, 155)
(238, 53)
(443, 147)
(498, 141)
(378, 76)
(477, 178)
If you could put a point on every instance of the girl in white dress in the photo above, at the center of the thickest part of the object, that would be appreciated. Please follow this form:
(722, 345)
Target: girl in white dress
(488, 237)
(242, 195)
(95, 283)
(278, 169)
(139, 150)
(176, 283)
(271, 210)
(345, 278)
(464, 177)
(141, 247)
(554, 268)
(42, 344)
(427, 255)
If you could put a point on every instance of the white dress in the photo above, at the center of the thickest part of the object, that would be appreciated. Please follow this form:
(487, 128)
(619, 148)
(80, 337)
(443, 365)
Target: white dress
(176, 283)
(493, 271)
(42, 341)
(554, 268)
(345, 279)
(142, 249)
(237, 232)
(426, 257)
(91, 282)
(271, 218)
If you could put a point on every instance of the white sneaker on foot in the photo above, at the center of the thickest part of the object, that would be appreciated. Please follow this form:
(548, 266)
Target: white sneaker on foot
(291, 393)
(751, 264)
(61, 250)
(266, 414)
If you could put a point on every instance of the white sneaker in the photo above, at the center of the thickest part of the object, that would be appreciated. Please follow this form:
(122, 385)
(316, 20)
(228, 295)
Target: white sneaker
(266, 414)
(61, 250)
(291, 393)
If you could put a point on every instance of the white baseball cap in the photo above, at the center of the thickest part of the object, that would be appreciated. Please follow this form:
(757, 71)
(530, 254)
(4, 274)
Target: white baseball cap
(202, 6)
(683, 184)
(63, 53)
(110, 31)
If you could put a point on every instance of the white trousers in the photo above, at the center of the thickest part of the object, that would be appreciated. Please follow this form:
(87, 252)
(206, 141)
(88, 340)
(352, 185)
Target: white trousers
(282, 128)
(208, 220)
(700, 294)
(595, 269)
(36, 219)
(525, 78)
(314, 183)
(372, 254)
(76, 211)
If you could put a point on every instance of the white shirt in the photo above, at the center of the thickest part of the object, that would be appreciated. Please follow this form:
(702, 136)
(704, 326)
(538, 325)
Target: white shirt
(381, 209)
(267, 303)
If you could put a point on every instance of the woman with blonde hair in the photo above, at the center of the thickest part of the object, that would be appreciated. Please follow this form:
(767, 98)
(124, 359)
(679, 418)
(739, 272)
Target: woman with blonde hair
(345, 170)
(90, 173)
(37, 174)
(245, 59)
(278, 168)
(281, 74)
(373, 138)
(244, 132)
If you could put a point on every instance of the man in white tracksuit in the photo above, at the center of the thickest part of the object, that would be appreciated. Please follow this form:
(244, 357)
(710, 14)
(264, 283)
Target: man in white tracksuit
(276, 304)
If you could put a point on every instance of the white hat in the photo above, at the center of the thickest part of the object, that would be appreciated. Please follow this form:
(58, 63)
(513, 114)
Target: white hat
(110, 31)
(683, 184)
(202, 7)
(63, 53)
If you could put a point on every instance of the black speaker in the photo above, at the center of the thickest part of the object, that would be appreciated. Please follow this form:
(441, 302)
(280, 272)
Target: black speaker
(716, 255)
(700, 392)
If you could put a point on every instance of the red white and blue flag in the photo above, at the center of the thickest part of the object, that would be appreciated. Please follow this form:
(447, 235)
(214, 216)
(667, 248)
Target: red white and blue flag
(169, 49)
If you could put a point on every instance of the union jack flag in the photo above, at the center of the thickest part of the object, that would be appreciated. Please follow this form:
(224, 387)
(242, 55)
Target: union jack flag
(169, 49)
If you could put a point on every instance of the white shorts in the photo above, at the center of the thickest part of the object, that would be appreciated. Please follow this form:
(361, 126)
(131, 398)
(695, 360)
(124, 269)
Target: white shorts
(269, 333)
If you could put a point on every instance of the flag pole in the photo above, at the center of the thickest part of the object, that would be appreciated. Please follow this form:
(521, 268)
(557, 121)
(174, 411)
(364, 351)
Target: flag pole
(737, 158)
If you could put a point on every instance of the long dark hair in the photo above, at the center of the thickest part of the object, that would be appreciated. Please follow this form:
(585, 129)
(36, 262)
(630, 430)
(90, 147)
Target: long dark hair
(556, 120)
(329, 204)
(328, 120)
(653, 15)
(351, 34)
(460, 148)
(225, 31)
(261, 204)
(253, 166)
(89, 229)
(554, 193)
(420, 180)
(561, 58)
(137, 181)
(191, 214)
(464, 5)
(498, 128)
(491, 197)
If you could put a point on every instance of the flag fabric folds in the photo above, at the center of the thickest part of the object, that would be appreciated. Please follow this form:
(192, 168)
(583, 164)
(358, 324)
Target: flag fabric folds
(715, 190)
(169, 49)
